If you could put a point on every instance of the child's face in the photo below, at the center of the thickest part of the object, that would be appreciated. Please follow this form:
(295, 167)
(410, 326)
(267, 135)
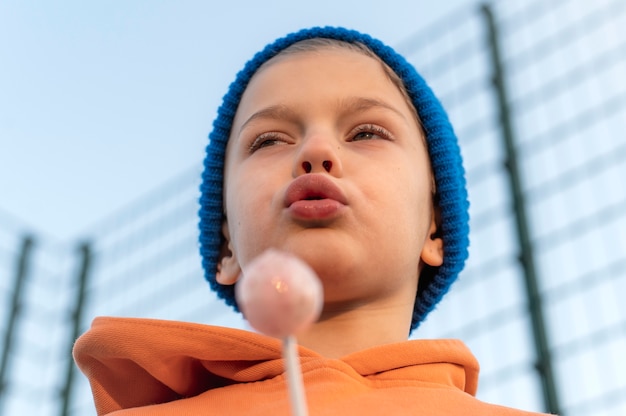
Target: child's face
(329, 125)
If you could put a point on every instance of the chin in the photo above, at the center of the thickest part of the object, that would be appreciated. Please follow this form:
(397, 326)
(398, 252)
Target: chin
(337, 268)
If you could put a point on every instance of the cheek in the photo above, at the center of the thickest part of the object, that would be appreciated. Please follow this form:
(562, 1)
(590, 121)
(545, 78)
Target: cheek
(409, 201)
(248, 210)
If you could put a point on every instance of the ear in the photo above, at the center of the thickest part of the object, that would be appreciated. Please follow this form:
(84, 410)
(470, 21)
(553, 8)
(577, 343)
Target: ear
(228, 269)
(432, 252)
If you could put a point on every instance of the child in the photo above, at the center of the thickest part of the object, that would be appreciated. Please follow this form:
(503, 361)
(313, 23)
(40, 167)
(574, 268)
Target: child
(330, 146)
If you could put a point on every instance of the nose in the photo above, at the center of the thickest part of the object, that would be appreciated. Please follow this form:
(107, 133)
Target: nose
(318, 154)
(308, 167)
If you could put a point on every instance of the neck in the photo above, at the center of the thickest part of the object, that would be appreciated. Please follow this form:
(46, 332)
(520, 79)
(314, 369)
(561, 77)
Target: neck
(344, 330)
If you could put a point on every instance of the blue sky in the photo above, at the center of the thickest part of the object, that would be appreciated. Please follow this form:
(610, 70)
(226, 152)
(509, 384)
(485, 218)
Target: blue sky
(101, 102)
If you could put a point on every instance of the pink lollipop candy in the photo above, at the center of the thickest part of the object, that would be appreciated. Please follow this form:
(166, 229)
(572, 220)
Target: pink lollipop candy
(279, 294)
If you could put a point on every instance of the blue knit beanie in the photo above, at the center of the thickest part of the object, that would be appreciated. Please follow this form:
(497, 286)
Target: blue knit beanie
(443, 148)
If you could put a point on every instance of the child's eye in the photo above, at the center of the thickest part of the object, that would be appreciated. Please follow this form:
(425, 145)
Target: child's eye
(266, 140)
(370, 132)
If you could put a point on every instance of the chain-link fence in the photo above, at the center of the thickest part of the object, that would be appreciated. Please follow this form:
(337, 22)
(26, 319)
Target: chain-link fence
(563, 64)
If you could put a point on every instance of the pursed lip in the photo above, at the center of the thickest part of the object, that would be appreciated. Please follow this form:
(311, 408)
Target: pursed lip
(314, 196)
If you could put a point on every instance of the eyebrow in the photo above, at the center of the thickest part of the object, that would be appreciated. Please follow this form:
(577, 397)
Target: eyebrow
(364, 103)
(351, 104)
(274, 112)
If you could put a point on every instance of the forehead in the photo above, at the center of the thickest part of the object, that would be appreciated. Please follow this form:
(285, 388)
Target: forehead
(316, 76)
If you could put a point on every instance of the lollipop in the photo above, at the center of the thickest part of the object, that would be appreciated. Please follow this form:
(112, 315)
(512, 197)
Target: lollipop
(281, 296)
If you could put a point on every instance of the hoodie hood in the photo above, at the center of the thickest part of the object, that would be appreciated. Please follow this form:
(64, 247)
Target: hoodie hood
(134, 363)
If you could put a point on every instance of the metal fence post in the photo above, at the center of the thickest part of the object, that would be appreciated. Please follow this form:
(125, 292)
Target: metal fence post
(540, 337)
(83, 273)
(21, 273)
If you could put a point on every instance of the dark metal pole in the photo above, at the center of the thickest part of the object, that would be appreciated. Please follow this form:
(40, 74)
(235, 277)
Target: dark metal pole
(83, 273)
(21, 273)
(542, 346)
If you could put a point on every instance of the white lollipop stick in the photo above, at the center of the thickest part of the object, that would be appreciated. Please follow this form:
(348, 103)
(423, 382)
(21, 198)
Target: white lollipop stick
(294, 377)
(281, 296)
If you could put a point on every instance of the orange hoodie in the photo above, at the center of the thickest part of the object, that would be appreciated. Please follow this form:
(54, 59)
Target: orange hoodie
(153, 367)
